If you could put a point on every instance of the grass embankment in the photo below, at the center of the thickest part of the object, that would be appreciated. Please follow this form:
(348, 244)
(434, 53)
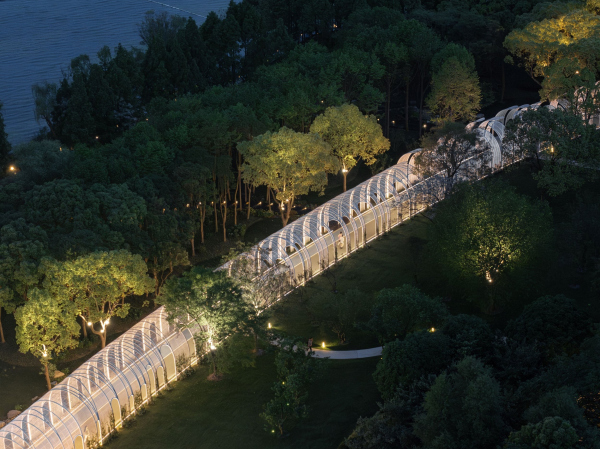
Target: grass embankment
(203, 414)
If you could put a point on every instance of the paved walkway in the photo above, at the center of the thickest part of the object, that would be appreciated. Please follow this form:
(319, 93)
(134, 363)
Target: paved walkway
(347, 355)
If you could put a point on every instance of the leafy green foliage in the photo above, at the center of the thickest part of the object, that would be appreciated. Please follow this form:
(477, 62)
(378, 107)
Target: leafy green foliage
(296, 369)
(403, 362)
(98, 284)
(463, 408)
(46, 326)
(290, 163)
(455, 93)
(403, 310)
(562, 147)
(211, 300)
(352, 136)
(487, 238)
(339, 312)
(554, 323)
(551, 433)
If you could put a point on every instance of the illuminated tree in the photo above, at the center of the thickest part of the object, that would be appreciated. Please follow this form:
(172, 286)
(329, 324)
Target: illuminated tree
(488, 240)
(455, 93)
(22, 246)
(214, 302)
(541, 44)
(46, 326)
(288, 162)
(98, 284)
(352, 136)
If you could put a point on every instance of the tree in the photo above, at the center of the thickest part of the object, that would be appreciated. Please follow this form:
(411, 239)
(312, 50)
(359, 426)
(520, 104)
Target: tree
(404, 361)
(98, 284)
(550, 433)
(554, 323)
(463, 408)
(455, 93)
(43, 161)
(211, 300)
(289, 163)
(261, 288)
(564, 150)
(22, 246)
(352, 136)
(489, 240)
(339, 312)
(46, 326)
(44, 96)
(541, 44)
(4, 143)
(449, 149)
(402, 310)
(296, 370)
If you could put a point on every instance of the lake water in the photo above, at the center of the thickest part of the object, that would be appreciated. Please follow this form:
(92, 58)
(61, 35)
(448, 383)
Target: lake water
(38, 39)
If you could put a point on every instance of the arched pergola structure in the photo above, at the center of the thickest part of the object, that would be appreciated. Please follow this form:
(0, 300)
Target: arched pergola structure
(120, 377)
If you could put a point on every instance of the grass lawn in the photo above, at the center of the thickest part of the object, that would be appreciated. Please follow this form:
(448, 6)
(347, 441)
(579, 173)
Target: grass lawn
(202, 414)
(385, 263)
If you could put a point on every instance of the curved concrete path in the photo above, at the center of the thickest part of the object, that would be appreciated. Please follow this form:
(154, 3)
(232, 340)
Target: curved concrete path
(347, 355)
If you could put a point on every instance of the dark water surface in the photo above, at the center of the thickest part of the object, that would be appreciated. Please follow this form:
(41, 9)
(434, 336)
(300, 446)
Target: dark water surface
(38, 38)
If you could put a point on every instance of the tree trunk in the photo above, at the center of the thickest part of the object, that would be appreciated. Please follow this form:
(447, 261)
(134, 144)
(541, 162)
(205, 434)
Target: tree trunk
(345, 173)
(388, 100)
(202, 217)
(406, 104)
(193, 247)
(101, 334)
(83, 326)
(247, 191)
(269, 197)
(1, 330)
(503, 82)
(421, 106)
(47, 374)
(224, 219)
(216, 219)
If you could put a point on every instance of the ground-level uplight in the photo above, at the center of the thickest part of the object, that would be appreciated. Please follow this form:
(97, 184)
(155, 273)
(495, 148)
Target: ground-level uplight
(323, 345)
(269, 325)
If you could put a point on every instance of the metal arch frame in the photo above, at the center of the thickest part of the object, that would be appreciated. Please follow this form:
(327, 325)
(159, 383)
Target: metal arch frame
(27, 432)
(288, 234)
(119, 373)
(345, 211)
(10, 432)
(133, 362)
(51, 424)
(338, 217)
(109, 383)
(313, 234)
(65, 387)
(43, 420)
(274, 238)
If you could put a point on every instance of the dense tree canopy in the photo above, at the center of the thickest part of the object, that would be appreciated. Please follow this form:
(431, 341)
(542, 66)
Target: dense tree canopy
(487, 237)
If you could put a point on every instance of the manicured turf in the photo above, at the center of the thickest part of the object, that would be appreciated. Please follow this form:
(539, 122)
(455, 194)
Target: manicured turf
(204, 414)
(385, 263)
